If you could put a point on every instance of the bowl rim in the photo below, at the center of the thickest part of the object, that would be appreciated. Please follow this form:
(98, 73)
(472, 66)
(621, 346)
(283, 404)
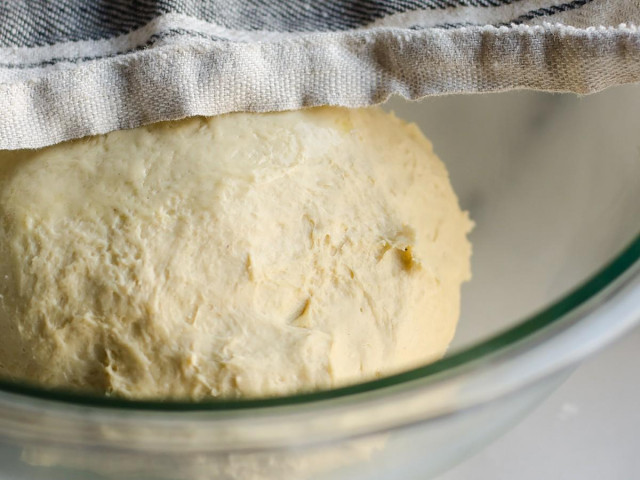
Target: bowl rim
(473, 354)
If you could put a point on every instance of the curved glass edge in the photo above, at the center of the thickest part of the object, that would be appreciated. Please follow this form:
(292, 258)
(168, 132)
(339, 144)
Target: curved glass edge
(535, 323)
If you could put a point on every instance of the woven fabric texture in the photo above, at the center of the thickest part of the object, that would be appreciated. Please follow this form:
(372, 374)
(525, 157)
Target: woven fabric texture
(71, 68)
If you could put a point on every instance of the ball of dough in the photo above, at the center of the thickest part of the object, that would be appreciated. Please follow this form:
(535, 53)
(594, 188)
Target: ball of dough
(240, 255)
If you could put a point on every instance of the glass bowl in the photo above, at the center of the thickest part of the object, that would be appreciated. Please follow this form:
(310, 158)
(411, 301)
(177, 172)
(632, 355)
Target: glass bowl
(553, 184)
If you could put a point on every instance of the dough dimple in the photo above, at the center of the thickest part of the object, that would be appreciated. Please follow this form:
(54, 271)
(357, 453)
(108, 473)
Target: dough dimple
(240, 255)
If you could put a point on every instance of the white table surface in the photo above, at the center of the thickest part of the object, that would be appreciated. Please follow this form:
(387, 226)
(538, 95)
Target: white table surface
(588, 429)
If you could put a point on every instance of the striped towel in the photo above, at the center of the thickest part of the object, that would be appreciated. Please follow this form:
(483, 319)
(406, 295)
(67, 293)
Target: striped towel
(70, 68)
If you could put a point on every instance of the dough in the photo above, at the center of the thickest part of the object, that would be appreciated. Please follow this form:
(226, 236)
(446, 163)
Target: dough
(240, 255)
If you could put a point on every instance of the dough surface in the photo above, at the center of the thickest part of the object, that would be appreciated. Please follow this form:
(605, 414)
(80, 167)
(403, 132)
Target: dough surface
(241, 255)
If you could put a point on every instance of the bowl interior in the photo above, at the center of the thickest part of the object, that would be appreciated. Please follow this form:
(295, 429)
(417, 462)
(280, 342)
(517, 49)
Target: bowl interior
(553, 184)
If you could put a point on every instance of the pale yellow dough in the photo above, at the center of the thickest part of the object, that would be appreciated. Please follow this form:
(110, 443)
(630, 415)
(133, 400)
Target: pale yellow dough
(241, 255)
